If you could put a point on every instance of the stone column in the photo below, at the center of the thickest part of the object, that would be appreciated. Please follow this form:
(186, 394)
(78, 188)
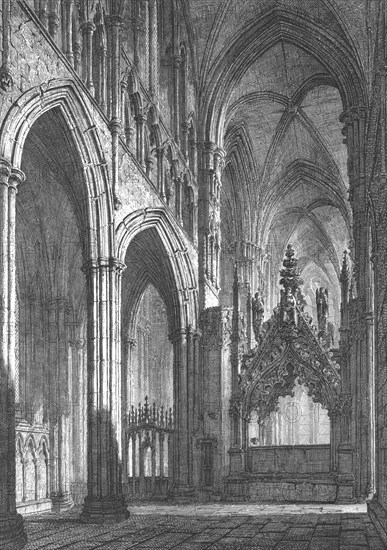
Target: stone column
(88, 29)
(355, 132)
(181, 458)
(59, 406)
(6, 79)
(43, 14)
(67, 33)
(207, 299)
(236, 451)
(176, 98)
(345, 477)
(53, 19)
(127, 400)
(178, 199)
(102, 51)
(160, 152)
(12, 535)
(193, 154)
(78, 407)
(377, 507)
(153, 43)
(141, 120)
(184, 145)
(105, 501)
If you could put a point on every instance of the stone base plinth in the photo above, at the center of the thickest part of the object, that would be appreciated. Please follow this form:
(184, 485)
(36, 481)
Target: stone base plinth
(62, 503)
(12, 534)
(345, 492)
(104, 510)
(269, 488)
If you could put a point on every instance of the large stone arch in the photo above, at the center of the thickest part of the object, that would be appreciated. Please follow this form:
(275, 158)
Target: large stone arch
(185, 303)
(83, 136)
(92, 192)
(161, 253)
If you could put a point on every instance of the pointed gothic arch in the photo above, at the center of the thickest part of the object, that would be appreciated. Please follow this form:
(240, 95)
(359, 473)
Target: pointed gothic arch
(155, 251)
(85, 141)
(181, 274)
(334, 52)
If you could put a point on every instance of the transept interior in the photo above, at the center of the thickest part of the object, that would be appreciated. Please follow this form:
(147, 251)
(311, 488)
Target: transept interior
(193, 235)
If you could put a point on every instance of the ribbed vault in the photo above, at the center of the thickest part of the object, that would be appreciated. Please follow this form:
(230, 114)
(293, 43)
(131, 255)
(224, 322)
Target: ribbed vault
(149, 263)
(281, 99)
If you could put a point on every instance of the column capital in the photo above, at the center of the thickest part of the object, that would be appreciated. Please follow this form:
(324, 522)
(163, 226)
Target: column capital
(178, 335)
(356, 111)
(89, 266)
(17, 177)
(177, 61)
(131, 342)
(9, 175)
(87, 27)
(160, 152)
(114, 19)
(140, 118)
(209, 147)
(5, 171)
(77, 343)
(114, 264)
(115, 125)
(197, 333)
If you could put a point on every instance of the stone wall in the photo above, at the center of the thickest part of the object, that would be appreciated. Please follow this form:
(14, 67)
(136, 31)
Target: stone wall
(298, 459)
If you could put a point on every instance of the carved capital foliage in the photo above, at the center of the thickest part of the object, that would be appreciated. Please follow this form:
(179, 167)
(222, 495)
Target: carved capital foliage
(78, 343)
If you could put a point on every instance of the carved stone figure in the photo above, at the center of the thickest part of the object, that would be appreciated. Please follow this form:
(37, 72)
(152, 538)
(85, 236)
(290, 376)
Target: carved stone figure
(331, 335)
(288, 306)
(257, 307)
(322, 309)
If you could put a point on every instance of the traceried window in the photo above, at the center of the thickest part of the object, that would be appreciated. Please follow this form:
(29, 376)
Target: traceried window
(298, 421)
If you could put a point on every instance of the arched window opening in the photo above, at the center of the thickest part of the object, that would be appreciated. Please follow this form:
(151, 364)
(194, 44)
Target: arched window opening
(298, 420)
(152, 363)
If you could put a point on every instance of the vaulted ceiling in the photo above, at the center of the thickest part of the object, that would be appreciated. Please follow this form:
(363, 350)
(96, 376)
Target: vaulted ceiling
(271, 75)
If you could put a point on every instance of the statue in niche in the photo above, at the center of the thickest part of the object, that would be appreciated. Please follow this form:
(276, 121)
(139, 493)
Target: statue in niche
(257, 307)
(331, 335)
(288, 306)
(322, 309)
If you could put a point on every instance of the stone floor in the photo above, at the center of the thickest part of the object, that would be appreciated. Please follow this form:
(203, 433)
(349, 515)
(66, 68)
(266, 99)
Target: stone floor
(215, 526)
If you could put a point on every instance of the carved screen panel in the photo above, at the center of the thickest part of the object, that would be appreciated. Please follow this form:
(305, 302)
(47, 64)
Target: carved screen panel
(297, 421)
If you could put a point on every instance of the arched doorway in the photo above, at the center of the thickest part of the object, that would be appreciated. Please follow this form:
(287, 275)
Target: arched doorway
(159, 277)
(79, 160)
(148, 357)
(50, 244)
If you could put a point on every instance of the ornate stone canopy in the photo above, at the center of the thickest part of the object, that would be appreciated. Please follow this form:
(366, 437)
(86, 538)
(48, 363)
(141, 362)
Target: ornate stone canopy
(289, 348)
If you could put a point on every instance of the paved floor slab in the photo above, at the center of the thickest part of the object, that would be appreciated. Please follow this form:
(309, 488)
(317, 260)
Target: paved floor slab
(211, 526)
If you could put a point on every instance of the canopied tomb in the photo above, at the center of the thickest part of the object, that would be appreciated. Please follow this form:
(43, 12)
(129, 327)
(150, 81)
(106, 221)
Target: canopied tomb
(290, 411)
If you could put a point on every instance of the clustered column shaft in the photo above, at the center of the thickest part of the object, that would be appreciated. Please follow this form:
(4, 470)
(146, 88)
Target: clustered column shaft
(11, 524)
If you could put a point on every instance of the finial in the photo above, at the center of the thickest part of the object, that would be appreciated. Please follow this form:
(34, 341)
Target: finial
(344, 275)
(290, 275)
